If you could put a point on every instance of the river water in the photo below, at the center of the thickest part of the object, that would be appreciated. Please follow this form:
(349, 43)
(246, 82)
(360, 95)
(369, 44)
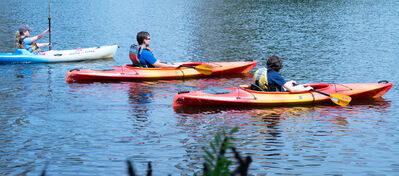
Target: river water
(91, 129)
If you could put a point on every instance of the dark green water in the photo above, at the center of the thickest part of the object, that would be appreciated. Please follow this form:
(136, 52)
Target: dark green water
(91, 129)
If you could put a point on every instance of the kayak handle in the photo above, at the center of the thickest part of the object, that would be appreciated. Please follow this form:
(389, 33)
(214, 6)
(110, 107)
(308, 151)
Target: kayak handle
(183, 91)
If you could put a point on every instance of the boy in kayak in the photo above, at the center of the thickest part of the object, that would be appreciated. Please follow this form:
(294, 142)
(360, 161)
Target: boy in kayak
(269, 79)
(144, 56)
(23, 40)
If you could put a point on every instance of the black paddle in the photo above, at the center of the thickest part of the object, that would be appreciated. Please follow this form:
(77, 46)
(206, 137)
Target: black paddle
(49, 27)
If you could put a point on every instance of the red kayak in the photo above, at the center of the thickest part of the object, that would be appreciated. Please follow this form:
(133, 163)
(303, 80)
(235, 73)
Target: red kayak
(244, 96)
(130, 73)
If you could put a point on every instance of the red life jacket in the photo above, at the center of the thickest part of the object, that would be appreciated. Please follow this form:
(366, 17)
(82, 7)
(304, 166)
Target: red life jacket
(134, 54)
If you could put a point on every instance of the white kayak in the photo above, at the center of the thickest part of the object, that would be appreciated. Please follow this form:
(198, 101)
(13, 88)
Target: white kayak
(24, 56)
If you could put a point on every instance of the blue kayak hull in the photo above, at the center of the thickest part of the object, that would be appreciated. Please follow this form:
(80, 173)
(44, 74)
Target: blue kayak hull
(23, 56)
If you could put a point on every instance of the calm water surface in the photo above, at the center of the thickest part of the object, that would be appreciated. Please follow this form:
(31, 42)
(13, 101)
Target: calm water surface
(91, 129)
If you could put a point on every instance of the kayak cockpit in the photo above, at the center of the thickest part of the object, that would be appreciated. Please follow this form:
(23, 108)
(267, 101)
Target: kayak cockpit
(319, 86)
(22, 52)
(191, 64)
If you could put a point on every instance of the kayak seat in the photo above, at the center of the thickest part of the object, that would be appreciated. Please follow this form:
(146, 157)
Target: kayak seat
(75, 69)
(256, 88)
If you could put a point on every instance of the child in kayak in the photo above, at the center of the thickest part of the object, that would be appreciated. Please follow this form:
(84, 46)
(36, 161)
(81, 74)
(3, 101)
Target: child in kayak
(269, 79)
(142, 56)
(23, 41)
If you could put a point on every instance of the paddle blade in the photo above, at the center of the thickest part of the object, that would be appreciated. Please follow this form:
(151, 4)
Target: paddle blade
(340, 99)
(204, 69)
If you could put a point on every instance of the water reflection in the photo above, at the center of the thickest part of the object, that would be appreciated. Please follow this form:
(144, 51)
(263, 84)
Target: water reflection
(140, 95)
(285, 137)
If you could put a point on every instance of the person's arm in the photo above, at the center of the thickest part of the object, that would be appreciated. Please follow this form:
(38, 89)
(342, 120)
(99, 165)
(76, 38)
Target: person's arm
(159, 64)
(35, 38)
(291, 86)
(149, 57)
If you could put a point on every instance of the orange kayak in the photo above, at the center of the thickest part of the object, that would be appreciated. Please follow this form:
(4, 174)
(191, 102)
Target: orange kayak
(243, 96)
(130, 73)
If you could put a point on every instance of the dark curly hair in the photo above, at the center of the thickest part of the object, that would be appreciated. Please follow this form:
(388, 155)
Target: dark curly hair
(274, 63)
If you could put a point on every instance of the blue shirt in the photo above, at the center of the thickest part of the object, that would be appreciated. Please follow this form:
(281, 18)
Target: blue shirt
(147, 58)
(275, 80)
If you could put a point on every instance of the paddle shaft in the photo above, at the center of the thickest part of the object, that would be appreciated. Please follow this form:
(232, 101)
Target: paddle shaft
(189, 66)
(49, 27)
(326, 94)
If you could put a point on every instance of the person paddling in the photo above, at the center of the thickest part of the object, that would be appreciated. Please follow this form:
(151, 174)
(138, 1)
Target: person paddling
(23, 41)
(142, 56)
(269, 78)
